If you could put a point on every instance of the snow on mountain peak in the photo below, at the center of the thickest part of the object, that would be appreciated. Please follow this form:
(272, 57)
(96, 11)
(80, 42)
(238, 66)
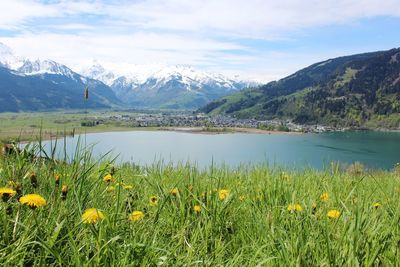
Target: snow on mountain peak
(8, 59)
(161, 73)
(45, 66)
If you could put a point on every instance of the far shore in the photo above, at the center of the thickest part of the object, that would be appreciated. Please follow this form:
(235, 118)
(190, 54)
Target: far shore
(202, 130)
(33, 135)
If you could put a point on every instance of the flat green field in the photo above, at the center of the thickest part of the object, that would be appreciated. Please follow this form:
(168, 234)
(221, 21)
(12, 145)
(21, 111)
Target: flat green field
(96, 214)
(29, 126)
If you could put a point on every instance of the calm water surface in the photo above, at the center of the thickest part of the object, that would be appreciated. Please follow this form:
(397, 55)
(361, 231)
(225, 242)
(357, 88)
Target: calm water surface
(374, 149)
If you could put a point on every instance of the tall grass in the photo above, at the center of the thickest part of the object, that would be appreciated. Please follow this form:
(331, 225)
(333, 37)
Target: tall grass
(251, 227)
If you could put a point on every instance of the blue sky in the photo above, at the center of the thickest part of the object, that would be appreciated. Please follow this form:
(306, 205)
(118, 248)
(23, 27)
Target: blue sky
(257, 39)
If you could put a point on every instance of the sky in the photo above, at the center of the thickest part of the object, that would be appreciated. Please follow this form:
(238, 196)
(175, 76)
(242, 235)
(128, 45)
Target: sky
(261, 40)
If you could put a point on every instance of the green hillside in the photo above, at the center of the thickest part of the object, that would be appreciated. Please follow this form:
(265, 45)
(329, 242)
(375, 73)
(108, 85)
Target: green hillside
(19, 92)
(357, 90)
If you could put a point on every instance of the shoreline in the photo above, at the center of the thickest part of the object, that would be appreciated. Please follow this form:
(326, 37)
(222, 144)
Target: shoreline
(48, 135)
(201, 130)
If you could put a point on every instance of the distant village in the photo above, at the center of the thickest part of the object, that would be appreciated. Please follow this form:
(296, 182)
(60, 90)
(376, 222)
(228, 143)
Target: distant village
(208, 122)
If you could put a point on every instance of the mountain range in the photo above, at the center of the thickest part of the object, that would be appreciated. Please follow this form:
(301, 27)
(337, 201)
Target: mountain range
(45, 84)
(162, 86)
(357, 90)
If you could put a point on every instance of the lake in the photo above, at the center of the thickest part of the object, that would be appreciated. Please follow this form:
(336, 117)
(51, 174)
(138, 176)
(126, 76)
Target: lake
(373, 149)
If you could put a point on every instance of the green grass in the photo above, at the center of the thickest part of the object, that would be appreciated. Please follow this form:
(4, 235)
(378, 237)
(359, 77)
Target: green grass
(251, 227)
(30, 126)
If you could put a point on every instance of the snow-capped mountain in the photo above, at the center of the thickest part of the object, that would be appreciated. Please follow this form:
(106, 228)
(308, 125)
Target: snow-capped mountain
(8, 59)
(45, 84)
(165, 86)
(136, 86)
(45, 66)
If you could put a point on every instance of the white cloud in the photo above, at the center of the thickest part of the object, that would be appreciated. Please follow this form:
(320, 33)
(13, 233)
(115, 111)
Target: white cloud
(204, 33)
(15, 12)
(250, 18)
(140, 47)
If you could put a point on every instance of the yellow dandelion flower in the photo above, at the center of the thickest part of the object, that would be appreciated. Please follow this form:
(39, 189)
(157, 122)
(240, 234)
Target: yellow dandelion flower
(127, 187)
(223, 194)
(324, 196)
(64, 192)
(197, 208)
(285, 176)
(33, 200)
(136, 216)
(108, 178)
(376, 205)
(6, 193)
(110, 189)
(174, 192)
(57, 179)
(295, 208)
(333, 214)
(92, 216)
(153, 201)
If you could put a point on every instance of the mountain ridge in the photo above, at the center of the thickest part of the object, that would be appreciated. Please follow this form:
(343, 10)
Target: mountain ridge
(166, 86)
(355, 90)
(28, 85)
(154, 86)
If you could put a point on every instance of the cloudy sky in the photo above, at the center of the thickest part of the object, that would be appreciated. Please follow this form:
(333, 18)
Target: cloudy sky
(262, 39)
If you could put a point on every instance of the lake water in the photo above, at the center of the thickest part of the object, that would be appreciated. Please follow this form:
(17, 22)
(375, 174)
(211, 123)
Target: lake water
(374, 149)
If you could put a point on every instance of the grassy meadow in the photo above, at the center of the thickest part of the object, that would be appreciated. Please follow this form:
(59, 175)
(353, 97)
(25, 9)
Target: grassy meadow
(99, 214)
(27, 126)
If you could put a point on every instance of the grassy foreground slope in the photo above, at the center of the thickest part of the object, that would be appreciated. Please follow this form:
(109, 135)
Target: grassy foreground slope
(247, 216)
(357, 90)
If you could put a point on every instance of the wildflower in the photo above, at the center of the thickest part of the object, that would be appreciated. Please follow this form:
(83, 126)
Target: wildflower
(92, 216)
(285, 176)
(110, 189)
(57, 179)
(136, 216)
(6, 193)
(17, 187)
(242, 198)
(376, 205)
(108, 178)
(223, 194)
(333, 214)
(295, 208)
(324, 196)
(33, 200)
(64, 192)
(127, 187)
(197, 209)
(174, 192)
(153, 201)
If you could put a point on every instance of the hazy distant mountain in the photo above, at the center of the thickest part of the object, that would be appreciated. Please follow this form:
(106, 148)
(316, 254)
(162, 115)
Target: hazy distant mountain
(166, 86)
(44, 84)
(354, 90)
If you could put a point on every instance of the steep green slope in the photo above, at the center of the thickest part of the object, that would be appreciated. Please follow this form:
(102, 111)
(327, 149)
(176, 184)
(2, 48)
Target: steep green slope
(354, 90)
